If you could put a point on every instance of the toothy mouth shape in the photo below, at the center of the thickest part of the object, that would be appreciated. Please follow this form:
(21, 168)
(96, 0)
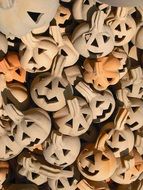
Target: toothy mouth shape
(86, 170)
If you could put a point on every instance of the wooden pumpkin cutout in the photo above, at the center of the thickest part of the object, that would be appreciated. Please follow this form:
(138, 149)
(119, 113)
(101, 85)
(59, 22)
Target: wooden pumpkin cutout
(33, 129)
(65, 183)
(97, 163)
(4, 167)
(47, 89)
(120, 137)
(75, 118)
(103, 72)
(83, 10)
(101, 104)
(133, 82)
(38, 172)
(91, 185)
(139, 142)
(27, 15)
(11, 68)
(134, 106)
(123, 3)
(123, 26)
(63, 18)
(61, 150)
(95, 41)
(35, 55)
(129, 171)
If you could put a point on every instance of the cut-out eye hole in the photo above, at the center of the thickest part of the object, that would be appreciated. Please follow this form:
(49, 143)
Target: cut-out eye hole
(70, 180)
(118, 27)
(18, 71)
(84, 115)
(123, 175)
(49, 86)
(40, 51)
(60, 185)
(132, 176)
(42, 68)
(25, 136)
(62, 14)
(11, 138)
(29, 123)
(34, 175)
(54, 156)
(7, 149)
(80, 127)
(99, 103)
(34, 16)
(91, 158)
(130, 88)
(104, 158)
(69, 123)
(106, 38)
(127, 26)
(135, 109)
(60, 85)
(121, 139)
(65, 152)
(86, 2)
(63, 53)
(32, 60)
(94, 43)
(109, 79)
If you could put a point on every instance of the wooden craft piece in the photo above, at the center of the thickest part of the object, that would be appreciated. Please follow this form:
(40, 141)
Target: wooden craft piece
(75, 118)
(83, 10)
(101, 104)
(95, 40)
(35, 55)
(33, 128)
(4, 168)
(103, 72)
(123, 26)
(28, 15)
(63, 18)
(6, 4)
(61, 150)
(123, 3)
(91, 185)
(38, 172)
(11, 68)
(97, 162)
(129, 171)
(139, 142)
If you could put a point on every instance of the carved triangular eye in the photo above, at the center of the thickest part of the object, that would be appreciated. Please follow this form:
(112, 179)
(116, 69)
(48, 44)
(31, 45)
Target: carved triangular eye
(70, 122)
(54, 156)
(25, 136)
(60, 185)
(86, 2)
(80, 127)
(135, 109)
(106, 38)
(104, 158)
(121, 139)
(7, 149)
(49, 86)
(34, 175)
(60, 85)
(91, 159)
(29, 123)
(98, 103)
(123, 175)
(94, 43)
(118, 27)
(127, 26)
(40, 50)
(63, 53)
(34, 16)
(65, 152)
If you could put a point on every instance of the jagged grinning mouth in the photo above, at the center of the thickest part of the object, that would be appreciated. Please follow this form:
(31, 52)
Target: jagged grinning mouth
(86, 170)
(48, 101)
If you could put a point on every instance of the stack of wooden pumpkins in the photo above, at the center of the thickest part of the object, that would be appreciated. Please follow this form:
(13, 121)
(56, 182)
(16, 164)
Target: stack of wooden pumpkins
(71, 95)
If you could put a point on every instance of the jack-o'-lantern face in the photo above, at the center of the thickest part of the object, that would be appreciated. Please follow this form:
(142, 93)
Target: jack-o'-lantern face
(33, 129)
(63, 155)
(103, 72)
(48, 92)
(75, 118)
(28, 15)
(38, 58)
(96, 165)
